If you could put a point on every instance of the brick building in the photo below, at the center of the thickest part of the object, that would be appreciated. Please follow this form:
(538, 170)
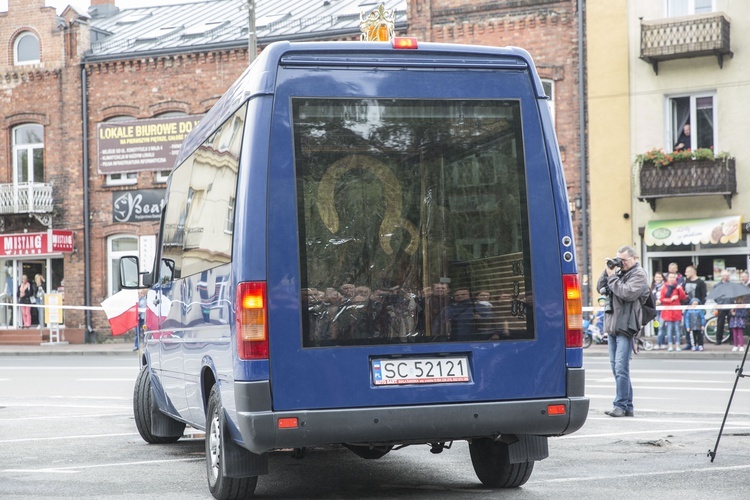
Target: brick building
(548, 29)
(158, 69)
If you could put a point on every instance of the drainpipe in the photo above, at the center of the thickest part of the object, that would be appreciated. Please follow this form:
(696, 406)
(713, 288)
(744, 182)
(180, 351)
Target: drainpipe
(583, 175)
(86, 221)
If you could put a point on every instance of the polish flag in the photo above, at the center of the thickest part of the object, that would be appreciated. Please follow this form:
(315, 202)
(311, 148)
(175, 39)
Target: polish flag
(122, 311)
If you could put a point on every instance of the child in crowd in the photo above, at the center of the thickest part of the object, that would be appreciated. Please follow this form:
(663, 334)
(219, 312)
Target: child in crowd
(672, 294)
(695, 324)
(737, 325)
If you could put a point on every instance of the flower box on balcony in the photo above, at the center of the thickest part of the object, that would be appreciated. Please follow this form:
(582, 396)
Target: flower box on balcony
(698, 177)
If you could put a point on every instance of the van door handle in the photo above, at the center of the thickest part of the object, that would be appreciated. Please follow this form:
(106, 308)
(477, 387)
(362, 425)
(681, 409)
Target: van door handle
(156, 302)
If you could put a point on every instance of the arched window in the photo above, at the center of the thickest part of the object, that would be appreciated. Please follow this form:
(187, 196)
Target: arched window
(26, 49)
(118, 246)
(28, 154)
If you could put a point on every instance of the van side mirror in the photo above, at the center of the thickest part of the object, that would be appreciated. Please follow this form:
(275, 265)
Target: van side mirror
(129, 272)
(167, 270)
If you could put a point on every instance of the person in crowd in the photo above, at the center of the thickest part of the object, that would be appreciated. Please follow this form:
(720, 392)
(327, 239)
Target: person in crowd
(745, 278)
(722, 314)
(737, 325)
(39, 291)
(695, 288)
(25, 292)
(467, 317)
(683, 141)
(672, 294)
(656, 286)
(695, 324)
(674, 268)
(625, 285)
(436, 303)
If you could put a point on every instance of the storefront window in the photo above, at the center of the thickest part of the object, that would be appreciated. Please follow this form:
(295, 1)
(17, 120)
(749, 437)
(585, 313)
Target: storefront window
(117, 247)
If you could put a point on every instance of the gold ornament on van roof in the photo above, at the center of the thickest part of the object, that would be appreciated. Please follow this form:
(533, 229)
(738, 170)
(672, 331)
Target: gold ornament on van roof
(378, 26)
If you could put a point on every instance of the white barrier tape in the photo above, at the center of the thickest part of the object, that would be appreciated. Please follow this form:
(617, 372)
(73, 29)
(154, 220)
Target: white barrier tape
(53, 306)
(710, 307)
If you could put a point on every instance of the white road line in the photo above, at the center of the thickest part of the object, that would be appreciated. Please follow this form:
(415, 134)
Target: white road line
(61, 438)
(579, 435)
(60, 368)
(670, 372)
(105, 380)
(48, 405)
(667, 388)
(75, 469)
(692, 470)
(76, 416)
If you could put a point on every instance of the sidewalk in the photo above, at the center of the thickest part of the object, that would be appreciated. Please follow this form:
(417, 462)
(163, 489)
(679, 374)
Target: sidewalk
(109, 348)
(710, 351)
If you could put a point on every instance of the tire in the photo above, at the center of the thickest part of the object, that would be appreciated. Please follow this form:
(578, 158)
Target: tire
(587, 340)
(222, 487)
(647, 345)
(490, 461)
(369, 453)
(710, 332)
(143, 406)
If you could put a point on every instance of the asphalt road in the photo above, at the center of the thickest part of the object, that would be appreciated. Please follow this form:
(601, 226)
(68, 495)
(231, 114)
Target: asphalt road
(68, 432)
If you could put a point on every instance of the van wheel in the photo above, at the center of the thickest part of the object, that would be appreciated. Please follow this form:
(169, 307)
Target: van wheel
(143, 409)
(222, 487)
(490, 461)
(369, 453)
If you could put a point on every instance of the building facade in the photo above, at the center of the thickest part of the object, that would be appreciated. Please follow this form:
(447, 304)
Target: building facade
(94, 108)
(685, 66)
(549, 31)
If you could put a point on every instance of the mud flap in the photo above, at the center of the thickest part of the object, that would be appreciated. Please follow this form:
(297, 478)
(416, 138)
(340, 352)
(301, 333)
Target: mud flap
(239, 461)
(525, 448)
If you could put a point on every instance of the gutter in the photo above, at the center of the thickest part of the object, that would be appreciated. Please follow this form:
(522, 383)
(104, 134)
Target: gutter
(86, 218)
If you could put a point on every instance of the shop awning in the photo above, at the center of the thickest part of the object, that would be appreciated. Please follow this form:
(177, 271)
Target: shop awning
(718, 230)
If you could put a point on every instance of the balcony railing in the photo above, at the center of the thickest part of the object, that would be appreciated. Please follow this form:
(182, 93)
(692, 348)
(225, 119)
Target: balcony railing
(688, 178)
(685, 37)
(26, 198)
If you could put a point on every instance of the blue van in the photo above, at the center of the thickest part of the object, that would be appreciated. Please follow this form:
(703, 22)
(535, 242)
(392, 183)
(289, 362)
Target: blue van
(366, 246)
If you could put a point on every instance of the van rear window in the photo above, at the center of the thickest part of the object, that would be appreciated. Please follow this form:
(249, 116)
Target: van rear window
(412, 221)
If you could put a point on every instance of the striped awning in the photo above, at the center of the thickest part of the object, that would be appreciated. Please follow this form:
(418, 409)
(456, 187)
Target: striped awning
(717, 230)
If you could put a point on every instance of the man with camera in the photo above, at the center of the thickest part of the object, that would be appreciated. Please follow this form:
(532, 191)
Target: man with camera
(624, 282)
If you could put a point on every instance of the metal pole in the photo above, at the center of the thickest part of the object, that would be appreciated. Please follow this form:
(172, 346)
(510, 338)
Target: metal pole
(582, 146)
(252, 41)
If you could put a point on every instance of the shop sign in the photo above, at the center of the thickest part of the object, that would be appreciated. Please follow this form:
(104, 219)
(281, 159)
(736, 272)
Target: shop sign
(714, 231)
(138, 145)
(142, 205)
(53, 241)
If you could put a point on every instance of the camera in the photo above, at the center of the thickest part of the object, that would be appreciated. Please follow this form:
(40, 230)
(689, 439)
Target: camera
(613, 263)
(606, 294)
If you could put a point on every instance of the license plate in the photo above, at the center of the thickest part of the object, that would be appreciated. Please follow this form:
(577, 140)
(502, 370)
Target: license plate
(419, 370)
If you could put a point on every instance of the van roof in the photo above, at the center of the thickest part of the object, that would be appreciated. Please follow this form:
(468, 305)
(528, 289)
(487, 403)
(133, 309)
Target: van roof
(260, 77)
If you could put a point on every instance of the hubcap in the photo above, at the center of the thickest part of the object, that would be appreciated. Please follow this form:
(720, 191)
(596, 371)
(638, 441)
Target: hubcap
(214, 447)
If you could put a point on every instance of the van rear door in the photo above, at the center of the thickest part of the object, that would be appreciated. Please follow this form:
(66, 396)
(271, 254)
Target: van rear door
(400, 189)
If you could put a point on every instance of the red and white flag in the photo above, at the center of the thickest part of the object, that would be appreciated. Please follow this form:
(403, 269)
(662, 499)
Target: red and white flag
(122, 311)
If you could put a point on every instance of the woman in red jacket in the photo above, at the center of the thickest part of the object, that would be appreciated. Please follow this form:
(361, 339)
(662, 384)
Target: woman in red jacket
(672, 294)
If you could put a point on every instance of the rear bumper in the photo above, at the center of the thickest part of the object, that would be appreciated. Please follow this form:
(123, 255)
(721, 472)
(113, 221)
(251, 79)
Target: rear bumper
(398, 424)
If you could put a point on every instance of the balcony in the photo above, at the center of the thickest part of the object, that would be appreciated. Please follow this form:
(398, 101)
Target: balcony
(26, 198)
(688, 178)
(685, 37)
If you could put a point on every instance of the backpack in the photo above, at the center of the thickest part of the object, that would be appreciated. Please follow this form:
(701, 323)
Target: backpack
(648, 308)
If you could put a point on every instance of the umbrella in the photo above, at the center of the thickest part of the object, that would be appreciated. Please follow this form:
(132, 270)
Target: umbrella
(728, 291)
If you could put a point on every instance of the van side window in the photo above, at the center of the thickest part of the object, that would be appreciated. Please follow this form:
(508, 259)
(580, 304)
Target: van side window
(408, 209)
(201, 193)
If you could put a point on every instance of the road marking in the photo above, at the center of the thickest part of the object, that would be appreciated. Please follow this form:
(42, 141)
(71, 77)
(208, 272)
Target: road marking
(60, 368)
(105, 380)
(80, 415)
(667, 388)
(47, 405)
(692, 470)
(672, 372)
(60, 438)
(650, 431)
(76, 469)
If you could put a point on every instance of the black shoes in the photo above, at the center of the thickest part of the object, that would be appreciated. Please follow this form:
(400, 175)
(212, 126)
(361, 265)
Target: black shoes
(619, 412)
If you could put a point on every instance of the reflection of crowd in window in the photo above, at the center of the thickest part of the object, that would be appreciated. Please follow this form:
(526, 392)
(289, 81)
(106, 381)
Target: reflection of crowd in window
(355, 314)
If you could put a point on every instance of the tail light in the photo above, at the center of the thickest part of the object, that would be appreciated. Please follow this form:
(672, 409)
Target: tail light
(573, 308)
(252, 328)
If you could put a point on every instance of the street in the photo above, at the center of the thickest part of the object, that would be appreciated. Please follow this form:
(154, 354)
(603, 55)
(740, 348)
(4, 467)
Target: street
(68, 431)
